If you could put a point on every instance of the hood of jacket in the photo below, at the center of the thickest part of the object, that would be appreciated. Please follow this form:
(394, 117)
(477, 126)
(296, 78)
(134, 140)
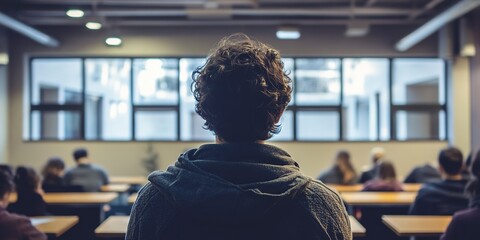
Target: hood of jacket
(230, 182)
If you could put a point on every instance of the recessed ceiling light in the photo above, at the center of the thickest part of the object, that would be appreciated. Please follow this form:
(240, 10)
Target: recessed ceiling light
(93, 25)
(113, 41)
(75, 13)
(288, 33)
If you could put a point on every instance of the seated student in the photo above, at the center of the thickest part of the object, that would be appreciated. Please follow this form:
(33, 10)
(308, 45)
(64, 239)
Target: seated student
(447, 196)
(29, 193)
(423, 174)
(464, 224)
(7, 169)
(385, 180)
(52, 175)
(90, 176)
(377, 155)
(13, 226)
(240, 187)
(342, 171)
(466, 167)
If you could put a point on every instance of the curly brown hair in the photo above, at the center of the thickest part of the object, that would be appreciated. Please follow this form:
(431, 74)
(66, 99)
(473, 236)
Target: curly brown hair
(242, 90)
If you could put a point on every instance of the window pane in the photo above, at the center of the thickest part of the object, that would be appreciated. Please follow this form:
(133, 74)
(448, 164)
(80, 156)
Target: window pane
(156, 125)
(54, 80)
(412, 125)
(56, 125)
(366, 99)
(107, 102)
(316, 125)
(288, 64)
(286, 133)
(418, 81)
(191, 122)
(155, 81)
(317, 81)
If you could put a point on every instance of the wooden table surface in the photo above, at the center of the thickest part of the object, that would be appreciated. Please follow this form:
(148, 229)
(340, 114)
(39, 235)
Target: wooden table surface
(116, 226)
(358, 187)
(113, 227)
(115, 188)
(138, 180)
(54, 225)
(417, 225)
(132, 198)
(378, 198)
(74, 198)
(357, 229)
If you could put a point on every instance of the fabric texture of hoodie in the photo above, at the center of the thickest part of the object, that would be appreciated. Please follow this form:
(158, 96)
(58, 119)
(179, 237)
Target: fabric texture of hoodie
(236, 191)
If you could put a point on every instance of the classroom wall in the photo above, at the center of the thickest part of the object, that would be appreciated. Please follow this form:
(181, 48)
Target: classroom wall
(460, 110)
(124, 158)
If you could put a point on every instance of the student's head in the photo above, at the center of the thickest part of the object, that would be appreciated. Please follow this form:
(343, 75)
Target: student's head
(468, 162)
(451, 161)
(26, 180)
(6, 169)
(242, 90)
(473, 187)
(342, 161)
(54, 167)
(386, 171)
(6, 187)
(80, 155)
(377, 153)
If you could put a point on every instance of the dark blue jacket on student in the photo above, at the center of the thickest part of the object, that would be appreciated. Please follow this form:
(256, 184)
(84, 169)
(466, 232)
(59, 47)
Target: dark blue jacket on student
(440, 198)
(236, 191)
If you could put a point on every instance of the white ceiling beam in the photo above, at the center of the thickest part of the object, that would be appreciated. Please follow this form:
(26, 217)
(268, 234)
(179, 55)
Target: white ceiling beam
(454, 12)
(28, 31)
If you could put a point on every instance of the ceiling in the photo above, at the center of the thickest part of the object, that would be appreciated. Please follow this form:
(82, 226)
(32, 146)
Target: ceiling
(115, 13)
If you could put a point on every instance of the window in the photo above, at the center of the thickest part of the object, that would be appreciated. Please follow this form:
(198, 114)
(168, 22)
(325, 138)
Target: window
(151, 99)
(366, 105)
(107, 106)
(419, 108)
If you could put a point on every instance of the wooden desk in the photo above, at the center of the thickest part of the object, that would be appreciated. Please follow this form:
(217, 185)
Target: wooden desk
(132, 198)
(139, 180)
(357, 229)
(54, 226)
(113, 227)
(120, 188)
(74, 198)
(417, 225)
(116, 227)
(358, 187)
(378, 198)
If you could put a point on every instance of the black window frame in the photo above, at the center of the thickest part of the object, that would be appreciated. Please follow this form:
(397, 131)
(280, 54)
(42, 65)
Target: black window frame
(294, 108)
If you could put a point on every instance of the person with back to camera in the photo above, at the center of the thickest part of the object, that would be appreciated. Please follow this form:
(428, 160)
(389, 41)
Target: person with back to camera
(86, 174)
(240, 187)
(342, 171)
(13, 226)
(29, 193)
(464, 224)
(52, 174)
(377, 154)
(447, 196)
(385, 180)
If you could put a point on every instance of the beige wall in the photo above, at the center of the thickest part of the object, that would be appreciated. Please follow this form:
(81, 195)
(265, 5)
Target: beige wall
(460, 112)
(124, 158)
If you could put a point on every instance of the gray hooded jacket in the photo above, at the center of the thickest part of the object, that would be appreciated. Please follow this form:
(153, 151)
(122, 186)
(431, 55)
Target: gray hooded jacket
(236, 191)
